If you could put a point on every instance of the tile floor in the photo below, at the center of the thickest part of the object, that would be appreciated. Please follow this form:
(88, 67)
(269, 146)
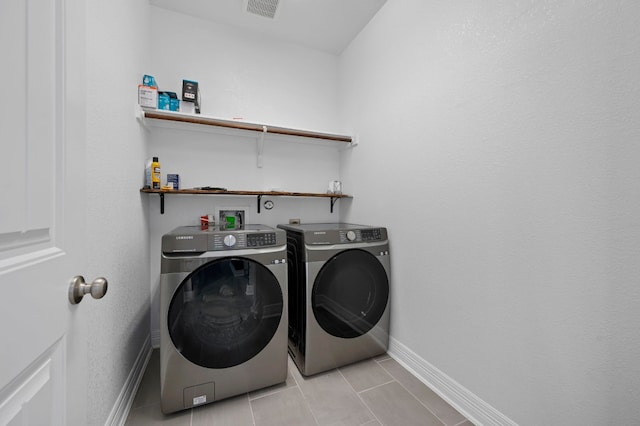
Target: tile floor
(372, 392)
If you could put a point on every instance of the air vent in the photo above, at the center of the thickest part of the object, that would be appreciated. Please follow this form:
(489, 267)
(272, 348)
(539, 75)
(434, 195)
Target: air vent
(266, 8)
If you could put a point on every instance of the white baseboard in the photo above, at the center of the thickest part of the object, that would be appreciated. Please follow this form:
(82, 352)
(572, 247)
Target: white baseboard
(120, 410)
(155, 338)
(473, 408)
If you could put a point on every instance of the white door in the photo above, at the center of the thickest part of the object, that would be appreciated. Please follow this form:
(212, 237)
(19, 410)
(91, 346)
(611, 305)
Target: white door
(42, 211)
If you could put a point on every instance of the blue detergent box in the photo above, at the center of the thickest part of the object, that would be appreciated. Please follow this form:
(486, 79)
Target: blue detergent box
(173, 179)
(149, 80)
(168, 101)
(174, 102)
(164, 101)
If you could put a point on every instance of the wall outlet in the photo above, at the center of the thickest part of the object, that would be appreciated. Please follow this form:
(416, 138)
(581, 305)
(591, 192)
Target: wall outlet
(294, 221)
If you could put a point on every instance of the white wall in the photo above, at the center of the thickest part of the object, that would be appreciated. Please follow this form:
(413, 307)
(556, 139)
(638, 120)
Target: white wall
(117, 230)
(499, 144)
(263, 81)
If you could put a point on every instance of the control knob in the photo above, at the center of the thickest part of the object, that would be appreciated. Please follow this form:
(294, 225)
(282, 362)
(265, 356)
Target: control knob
(229, 240)
(351, 235)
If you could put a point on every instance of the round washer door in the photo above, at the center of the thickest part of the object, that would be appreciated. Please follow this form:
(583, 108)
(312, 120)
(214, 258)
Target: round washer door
(225, 312)
(350, 293)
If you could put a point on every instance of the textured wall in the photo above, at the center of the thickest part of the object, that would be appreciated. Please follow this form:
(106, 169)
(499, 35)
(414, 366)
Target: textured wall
(499, 144)
(117, 232)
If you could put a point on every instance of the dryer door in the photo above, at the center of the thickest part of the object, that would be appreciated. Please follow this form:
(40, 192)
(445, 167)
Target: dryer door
(225, 312)
(350, 293)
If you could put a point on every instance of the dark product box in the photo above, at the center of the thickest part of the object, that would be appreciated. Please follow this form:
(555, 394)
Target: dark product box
(173, 179)
(190, 91)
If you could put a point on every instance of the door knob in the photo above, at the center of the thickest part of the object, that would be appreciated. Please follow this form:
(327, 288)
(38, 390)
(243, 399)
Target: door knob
(78, 288)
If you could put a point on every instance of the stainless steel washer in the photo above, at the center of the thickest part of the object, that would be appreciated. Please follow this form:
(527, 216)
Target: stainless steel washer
(223, 318)
(339, 277)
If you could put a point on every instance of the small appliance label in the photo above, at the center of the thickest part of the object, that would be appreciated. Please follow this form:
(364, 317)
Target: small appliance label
(199, 400)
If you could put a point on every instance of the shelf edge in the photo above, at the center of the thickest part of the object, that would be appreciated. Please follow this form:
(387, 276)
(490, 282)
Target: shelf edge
(151, 114)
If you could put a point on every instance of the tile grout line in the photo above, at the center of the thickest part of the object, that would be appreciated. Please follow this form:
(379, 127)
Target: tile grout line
(267, 393)
(377, 386)
(253, 416)
(361, 400)
(304, 397)
(414, 397)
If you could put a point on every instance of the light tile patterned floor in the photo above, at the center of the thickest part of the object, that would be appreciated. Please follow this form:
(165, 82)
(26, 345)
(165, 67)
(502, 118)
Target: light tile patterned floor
(371, 392)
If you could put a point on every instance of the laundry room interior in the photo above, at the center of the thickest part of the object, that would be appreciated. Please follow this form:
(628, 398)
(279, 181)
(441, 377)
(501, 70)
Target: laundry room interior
(496, 142)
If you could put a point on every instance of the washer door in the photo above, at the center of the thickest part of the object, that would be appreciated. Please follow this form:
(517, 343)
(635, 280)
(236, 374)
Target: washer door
(225, 312)
(350, 293)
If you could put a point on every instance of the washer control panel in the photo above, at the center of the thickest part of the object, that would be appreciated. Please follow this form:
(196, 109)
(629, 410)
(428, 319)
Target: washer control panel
(240, 240)
(261, 240)
(191, 239)
(361, 235)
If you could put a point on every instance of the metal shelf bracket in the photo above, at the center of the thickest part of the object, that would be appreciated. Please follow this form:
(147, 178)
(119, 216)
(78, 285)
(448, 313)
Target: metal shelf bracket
(260, 147)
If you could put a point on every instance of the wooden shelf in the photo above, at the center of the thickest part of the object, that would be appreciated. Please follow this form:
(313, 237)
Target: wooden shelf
(155, 116)
(259, 194)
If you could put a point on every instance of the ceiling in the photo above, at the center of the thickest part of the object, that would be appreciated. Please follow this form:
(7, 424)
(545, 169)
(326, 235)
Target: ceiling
(327, 25)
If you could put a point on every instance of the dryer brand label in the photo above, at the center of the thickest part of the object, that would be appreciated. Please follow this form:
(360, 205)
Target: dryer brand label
(199, 400)
(319, 233)
(184, 237)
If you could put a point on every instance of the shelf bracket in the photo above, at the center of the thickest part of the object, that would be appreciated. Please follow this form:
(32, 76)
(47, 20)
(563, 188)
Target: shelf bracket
(259, 202)
(260, 147)
(333, 201)
(161, 203)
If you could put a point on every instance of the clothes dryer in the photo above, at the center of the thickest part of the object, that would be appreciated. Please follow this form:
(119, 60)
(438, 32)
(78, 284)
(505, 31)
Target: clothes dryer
(223, 318)
(338, 285)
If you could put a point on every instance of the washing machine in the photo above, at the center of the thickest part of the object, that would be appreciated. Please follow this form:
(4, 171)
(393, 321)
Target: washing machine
(223, 313)
(338, 285)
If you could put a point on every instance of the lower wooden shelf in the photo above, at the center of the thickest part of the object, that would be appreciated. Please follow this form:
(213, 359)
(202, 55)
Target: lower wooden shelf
(193, 191)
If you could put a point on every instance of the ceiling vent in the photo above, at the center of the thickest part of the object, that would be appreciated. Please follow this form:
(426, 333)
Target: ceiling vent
(266, 8)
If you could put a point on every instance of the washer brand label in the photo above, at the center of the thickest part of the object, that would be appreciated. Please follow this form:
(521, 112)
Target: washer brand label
(319, 233)
(199, 400)
(184, 237)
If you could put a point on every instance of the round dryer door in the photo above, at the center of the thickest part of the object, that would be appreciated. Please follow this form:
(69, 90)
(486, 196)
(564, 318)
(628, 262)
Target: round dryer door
(225, 312)
(350, 293)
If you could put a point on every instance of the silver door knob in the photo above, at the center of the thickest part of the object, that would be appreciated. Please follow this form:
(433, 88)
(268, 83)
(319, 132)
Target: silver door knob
(78, 288)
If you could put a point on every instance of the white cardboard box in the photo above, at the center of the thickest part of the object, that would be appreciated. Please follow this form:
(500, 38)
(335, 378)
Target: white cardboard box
(148, 96)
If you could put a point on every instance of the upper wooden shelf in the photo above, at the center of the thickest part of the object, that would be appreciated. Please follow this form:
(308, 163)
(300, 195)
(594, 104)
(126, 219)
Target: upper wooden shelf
(155, 116)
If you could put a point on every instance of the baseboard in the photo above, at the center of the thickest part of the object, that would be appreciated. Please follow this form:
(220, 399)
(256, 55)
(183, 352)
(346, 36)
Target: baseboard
(473, 408)
(155, 339)
(120, 410)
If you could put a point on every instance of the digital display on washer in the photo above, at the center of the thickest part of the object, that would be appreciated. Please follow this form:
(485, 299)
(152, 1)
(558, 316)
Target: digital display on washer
(371, 234)
(260, 240)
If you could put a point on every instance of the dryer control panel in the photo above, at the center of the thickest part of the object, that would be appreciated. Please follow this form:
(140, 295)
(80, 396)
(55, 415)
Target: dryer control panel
(361, 235)
(337, 233)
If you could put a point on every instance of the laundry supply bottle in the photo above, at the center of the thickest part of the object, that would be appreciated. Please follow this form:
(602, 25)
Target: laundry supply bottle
(148, 171)
(155, 173)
